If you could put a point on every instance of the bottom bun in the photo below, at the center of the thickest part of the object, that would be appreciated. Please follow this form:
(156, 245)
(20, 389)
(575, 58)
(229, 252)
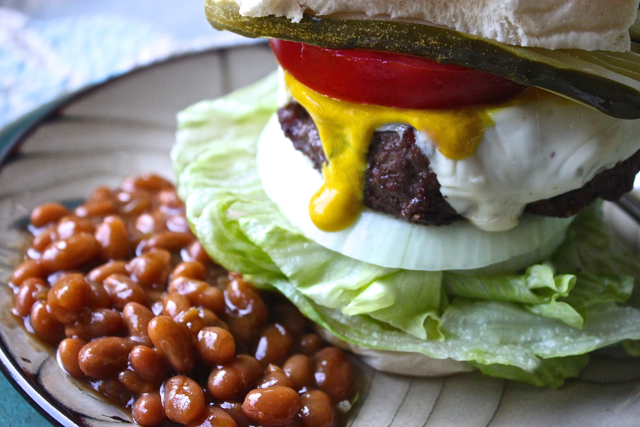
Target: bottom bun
(400, 362)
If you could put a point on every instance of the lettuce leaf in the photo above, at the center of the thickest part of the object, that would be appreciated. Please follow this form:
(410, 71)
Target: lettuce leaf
(537, 289)
(550, 372)
(534, 327)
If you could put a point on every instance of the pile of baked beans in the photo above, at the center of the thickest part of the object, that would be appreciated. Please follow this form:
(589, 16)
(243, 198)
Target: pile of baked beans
(137, 308)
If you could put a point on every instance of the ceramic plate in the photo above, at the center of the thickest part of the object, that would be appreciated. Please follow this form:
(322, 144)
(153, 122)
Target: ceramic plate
(127, 127)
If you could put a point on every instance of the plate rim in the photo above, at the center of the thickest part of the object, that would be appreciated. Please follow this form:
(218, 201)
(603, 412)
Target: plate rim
(28, 387)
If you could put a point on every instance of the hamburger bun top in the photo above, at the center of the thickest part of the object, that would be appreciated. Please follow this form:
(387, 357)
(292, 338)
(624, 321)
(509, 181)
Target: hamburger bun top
(551, 24)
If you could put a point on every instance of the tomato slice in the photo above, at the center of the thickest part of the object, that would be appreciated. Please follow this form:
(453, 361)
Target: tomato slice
(390, 79)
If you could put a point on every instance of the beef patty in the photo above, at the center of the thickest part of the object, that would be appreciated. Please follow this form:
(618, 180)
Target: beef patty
(399, 181)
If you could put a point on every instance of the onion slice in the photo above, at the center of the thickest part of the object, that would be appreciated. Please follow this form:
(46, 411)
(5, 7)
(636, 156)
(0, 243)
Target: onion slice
(290, 180)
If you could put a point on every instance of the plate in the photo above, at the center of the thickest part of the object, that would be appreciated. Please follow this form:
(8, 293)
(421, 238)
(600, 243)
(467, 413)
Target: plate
(127, 127)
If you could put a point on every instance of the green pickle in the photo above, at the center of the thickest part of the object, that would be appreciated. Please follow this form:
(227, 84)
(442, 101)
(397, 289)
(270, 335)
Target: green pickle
(607, 81)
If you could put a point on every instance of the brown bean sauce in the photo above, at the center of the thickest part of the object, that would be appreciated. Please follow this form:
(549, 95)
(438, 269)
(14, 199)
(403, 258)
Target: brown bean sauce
(137, 309)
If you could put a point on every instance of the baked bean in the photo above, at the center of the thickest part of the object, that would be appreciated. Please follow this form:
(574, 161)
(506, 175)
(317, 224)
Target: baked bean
(138, 204)
(68, 296)
(70, 253)
(147, 181)
(301, 371)
(102, 193)
(137, 317)
(190, 270)
(54, 277)
(124, 197)
(105, 270)
(245, 329)
(168, 198)
(243, 298)
(246, 312)
(187, 287)
(151, 269)
(95, 324)
(134, 204)
(67, 356)
(173, 304)
(290, 317)
(71, 225)
(27, 269)
(30, 291)
(173, 342)
(272, 406)
(210, 318)
(235, 410)
(151, 222)
(195, 319)
(135, 383)
(213, 417)
(274, 376)
(148, 410)
(274, 345)
(112, 388)
(183, 399)
(42, 240)
(179, 223)
(105, 357)
(99, 297)
(215, 346)
(123, 290)
(147, 363)
(317, 409)
(310, 344)
(333, 372)
(230, 380)
(47, 213)
(199, 293)
(211, 298)
(44, 324)
(195, 252)
(96, 208)
(172, 241)
(113, 237)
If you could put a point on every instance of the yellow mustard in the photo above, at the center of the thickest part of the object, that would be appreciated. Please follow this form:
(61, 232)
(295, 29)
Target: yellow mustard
(346, 130)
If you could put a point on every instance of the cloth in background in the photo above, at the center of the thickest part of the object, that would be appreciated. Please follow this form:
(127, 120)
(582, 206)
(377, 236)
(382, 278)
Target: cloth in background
(42, 59)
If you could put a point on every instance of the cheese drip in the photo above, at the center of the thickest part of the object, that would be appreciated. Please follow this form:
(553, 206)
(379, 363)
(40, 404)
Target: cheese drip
(346, 131)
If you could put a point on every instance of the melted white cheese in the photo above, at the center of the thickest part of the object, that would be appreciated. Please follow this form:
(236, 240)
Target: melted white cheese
(536, 150)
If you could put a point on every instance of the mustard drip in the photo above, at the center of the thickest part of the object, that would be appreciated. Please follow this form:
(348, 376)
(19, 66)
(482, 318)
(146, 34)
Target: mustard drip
(346, 130)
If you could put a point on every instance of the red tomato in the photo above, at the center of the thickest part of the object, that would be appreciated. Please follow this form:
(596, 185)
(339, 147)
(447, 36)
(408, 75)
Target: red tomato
(390, 79)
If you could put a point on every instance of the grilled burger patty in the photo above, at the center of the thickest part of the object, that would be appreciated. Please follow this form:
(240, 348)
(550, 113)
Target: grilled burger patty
(399, 181)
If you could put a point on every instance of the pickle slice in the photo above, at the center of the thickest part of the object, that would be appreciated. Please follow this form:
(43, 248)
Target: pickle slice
(607, 81)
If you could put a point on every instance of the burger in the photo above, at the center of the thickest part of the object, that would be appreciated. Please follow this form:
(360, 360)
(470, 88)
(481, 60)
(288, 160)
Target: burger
(423, 179)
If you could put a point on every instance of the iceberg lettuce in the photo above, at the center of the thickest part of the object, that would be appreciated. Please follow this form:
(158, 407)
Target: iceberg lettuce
(536, 326)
